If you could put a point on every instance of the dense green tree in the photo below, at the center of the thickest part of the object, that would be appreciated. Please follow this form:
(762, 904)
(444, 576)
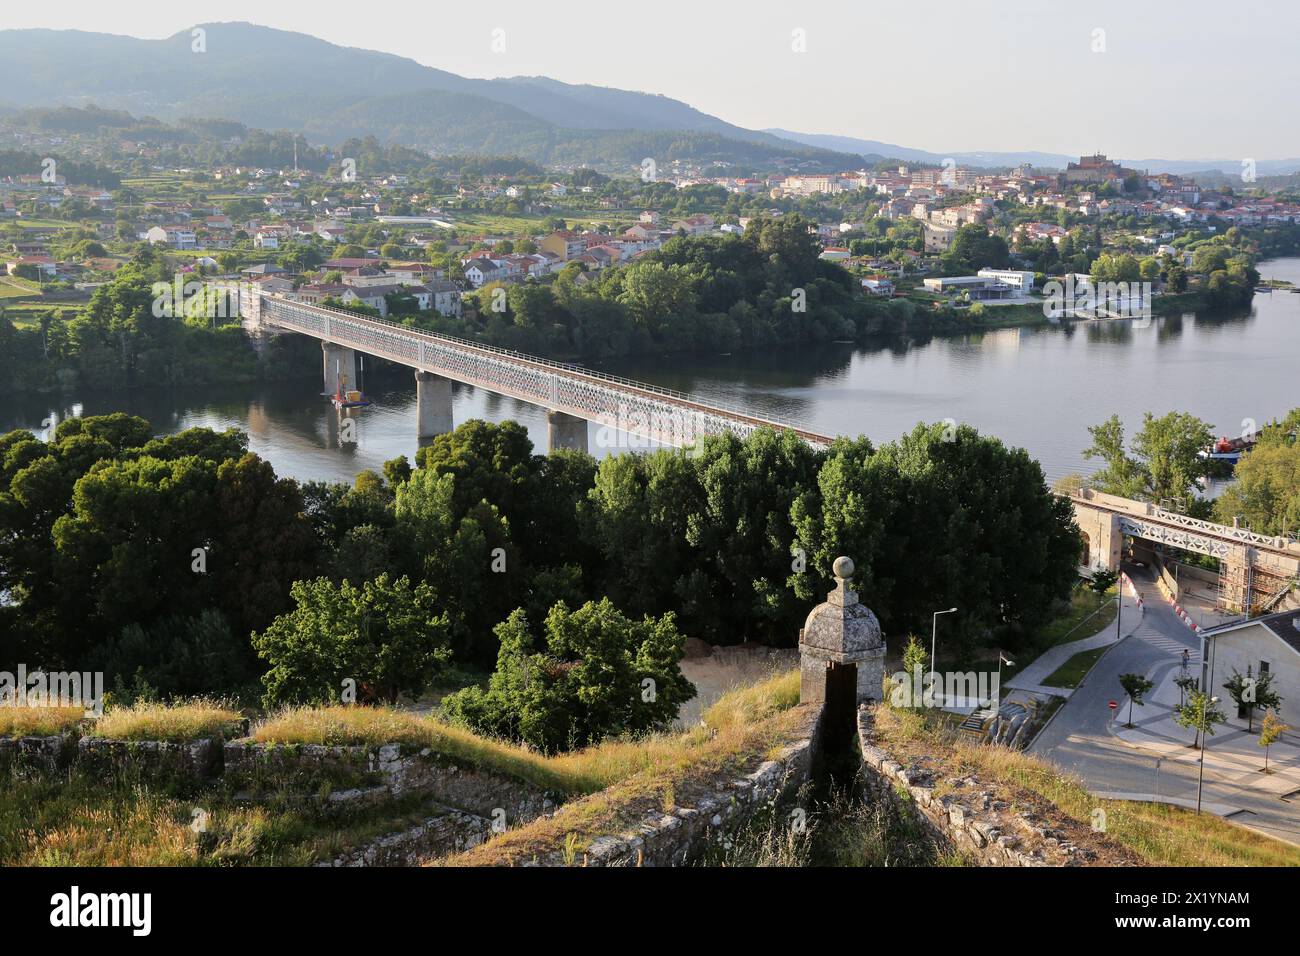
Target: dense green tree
(743, 536)
(593, 673)
(1266, 493)
(944, 517)
(1164, 462)
(383, 640)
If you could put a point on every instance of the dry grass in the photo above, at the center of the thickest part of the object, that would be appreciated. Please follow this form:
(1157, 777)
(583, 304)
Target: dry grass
(580, 772)
(38, 721)
(1162, 835)
(743, 726)
(143, 832)
(176, 722)
(373, 726)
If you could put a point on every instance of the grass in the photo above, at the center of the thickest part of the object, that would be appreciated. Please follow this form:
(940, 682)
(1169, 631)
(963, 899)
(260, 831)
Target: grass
(85, 822)
(174, 722)
(1072, 672)
(38, 721)
(1088, 607)
(580, 772)
(838, 829)
(1158, 834)
(60, 821)
(9, 289)
(743, 726)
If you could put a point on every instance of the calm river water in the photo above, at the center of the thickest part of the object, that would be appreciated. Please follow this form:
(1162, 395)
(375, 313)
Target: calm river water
(1036, 388)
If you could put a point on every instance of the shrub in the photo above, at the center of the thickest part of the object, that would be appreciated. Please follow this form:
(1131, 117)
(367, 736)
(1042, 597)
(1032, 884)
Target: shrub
(381, 640)
(597, 674)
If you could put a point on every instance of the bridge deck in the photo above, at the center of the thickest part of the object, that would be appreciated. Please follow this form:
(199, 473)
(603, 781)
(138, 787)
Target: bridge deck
(1141, 519)
(647, 411)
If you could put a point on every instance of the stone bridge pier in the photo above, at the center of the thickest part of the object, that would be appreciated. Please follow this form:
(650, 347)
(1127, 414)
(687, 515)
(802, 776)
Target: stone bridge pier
(432, 406)
(566, 431)
(340, 364)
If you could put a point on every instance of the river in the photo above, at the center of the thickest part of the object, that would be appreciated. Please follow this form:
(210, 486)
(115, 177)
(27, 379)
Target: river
(1038, 388)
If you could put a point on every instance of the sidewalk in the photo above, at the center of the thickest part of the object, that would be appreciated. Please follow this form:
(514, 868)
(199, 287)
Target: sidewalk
(1031, 678)
(1232, 754)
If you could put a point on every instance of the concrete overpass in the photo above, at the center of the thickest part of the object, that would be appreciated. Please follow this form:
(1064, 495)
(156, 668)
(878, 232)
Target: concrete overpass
(572, 395)
(1256, 570)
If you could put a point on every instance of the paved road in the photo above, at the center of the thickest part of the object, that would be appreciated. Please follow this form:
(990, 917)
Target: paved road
(1079, 739)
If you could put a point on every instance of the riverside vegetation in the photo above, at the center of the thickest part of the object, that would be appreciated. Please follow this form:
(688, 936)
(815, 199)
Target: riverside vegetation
(184, 565)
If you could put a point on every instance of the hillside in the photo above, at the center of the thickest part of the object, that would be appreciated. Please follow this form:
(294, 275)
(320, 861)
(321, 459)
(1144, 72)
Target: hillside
(276, 79)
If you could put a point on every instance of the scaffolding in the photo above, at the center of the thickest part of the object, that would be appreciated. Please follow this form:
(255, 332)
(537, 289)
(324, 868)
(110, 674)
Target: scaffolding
(1247, 588)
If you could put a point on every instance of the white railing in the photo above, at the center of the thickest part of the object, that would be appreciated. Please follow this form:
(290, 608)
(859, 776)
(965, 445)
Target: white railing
(1140, 512)
(649, 410)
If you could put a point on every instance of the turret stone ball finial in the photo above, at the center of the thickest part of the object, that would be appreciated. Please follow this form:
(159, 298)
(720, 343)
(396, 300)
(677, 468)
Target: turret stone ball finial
(841, 632)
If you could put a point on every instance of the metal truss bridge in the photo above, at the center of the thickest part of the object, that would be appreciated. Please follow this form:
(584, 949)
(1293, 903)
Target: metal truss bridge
(660, 415)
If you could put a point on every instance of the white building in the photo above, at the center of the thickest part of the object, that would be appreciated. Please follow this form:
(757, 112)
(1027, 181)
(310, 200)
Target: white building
(1022, 282)
(1265, 645)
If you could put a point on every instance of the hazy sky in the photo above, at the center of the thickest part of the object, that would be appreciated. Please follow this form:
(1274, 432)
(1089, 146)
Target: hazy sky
(1179, 80)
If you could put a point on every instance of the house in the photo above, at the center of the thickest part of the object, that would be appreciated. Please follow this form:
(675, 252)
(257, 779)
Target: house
(317, 292)
(938, 238)
(268, 237)
(878, 286)
(366, 277)
(372, 296)
(276, 285)
(978, 288)
(643, 232)
(700, 225)
(564, 243)
(42, 264)
(262, 269)
(1262, 645)
(444, 297)
(479, 271)
(347, 263)
(178, 237)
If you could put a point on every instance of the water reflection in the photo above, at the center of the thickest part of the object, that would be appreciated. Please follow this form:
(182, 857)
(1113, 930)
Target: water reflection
(1038, 388)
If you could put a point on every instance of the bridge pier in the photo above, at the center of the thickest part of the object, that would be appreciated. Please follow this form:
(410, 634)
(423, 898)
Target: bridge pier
(432, 405)
(566, 431)
(339, 361)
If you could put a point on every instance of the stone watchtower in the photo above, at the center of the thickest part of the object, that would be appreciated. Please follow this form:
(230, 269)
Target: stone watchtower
(841, 649)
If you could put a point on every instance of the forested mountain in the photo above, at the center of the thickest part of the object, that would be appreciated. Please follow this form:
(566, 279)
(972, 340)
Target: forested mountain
(276, 79)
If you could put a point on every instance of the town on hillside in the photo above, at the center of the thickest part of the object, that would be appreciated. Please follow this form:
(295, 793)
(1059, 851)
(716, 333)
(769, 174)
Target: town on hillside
(425, 472)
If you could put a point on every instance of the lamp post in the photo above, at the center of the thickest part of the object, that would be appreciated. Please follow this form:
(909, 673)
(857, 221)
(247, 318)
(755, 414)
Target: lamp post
(1200, 782)
(1010, 663)
(934, 635)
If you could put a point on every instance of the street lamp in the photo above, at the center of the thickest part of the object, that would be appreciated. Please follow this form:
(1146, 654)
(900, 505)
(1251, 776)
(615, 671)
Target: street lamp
(1010, 663)
(1200, 782)
(934, 634)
